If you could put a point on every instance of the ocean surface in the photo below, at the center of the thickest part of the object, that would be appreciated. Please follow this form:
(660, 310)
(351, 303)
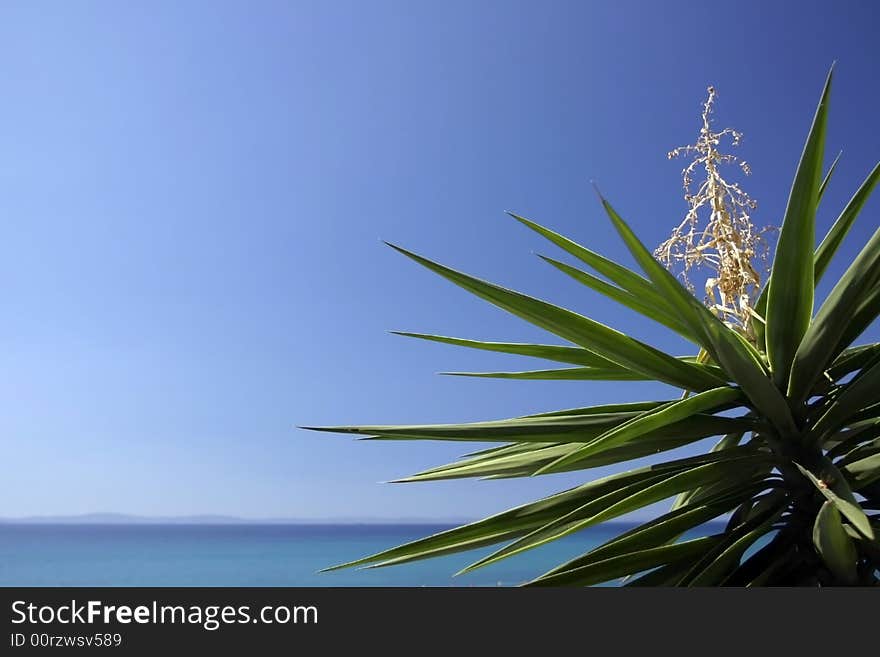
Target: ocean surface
(252, 555)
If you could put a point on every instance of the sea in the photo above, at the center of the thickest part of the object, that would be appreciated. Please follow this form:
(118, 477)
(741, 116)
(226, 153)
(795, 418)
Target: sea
(254, 555)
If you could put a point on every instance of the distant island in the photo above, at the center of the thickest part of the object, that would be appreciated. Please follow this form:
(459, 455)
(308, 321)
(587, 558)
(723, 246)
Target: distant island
(208, 519)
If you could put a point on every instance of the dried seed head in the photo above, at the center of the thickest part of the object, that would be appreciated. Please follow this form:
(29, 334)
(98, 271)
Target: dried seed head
(725, 247)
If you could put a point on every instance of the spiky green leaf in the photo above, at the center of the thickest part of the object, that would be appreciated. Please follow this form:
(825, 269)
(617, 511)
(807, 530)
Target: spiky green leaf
(614, 505)
(834, 238)
(835, 489)
(833, 544)
(557, 353)
(828, 176)
(596, 337)
(792, 281)
(720, 342)
(562, 374)
(710, 401)
(817, 349)
(653, 309)
(625, 564)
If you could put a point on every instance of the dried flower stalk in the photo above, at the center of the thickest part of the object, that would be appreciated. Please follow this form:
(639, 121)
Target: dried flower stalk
(728, 245)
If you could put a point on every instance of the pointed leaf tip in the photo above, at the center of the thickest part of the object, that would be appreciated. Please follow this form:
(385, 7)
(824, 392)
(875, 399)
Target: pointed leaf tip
(791, 287)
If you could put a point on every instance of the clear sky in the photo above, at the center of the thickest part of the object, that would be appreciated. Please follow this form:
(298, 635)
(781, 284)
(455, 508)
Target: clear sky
(193, 196)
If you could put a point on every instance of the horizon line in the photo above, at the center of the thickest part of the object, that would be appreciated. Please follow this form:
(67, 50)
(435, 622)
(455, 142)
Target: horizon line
(113, 517)
(118, 518)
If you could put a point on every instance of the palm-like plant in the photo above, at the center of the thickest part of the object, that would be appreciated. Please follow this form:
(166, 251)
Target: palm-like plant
(797, 468)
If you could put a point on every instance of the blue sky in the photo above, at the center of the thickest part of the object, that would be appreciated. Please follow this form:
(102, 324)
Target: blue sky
(193, 196)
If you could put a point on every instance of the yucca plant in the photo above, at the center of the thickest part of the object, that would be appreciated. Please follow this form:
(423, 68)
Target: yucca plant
(796, 470)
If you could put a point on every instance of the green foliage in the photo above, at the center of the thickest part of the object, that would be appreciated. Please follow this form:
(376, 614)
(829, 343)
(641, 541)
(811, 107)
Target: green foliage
(797, 469)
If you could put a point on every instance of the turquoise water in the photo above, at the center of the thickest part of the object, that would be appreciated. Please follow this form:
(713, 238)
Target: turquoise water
(251, 555)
